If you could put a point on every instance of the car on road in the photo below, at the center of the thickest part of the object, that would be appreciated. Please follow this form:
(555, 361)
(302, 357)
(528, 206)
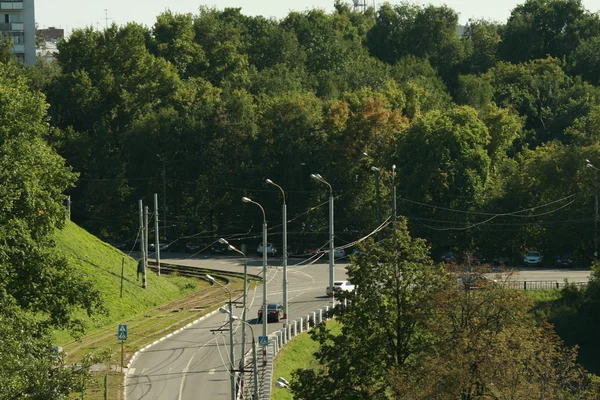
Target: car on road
(271, 250)
(564, 260)
(339, 287)
(274, 313)
(533, 258)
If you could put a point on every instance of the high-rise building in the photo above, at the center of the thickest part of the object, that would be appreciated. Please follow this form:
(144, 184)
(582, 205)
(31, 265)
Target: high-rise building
(17, 20)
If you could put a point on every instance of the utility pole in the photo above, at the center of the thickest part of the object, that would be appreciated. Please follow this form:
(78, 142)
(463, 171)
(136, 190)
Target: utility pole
(596, 216)
(164, 176)
(142, 247)
(69, 207)
(146, 234)
(156, 235)
(394, 194)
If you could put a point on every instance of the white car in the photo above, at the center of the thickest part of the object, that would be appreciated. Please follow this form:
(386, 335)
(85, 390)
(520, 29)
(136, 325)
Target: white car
(271, 250)
(337, 253)
(340, 286)
(533, 258)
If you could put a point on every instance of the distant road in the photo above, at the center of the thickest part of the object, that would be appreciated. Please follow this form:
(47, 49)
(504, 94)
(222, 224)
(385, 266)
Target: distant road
(194, 363)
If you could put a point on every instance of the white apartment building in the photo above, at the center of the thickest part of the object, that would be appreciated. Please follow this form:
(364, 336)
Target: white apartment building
(17, 19)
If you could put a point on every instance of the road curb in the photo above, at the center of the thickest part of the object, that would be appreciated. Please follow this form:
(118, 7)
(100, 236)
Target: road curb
(134, 356)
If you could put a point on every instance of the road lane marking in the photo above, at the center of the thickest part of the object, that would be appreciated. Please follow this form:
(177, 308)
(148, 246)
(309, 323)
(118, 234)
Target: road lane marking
(187, 367)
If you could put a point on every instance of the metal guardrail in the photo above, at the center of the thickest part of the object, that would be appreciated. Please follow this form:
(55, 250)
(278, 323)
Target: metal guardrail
(540, 285)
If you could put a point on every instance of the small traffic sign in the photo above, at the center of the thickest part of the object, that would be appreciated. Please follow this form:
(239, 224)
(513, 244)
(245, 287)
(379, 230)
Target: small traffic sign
(122, 332)
(263, 341)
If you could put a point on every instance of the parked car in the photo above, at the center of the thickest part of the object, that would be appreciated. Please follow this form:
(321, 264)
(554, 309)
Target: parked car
(447, 257)
(338, 287)
(564, 260)
(337, 253)
(475, 281)
(533, 258)
(193, 247)
(271, 250)
(274, 313)
(161, 246)
(501, 261)
(218, 248)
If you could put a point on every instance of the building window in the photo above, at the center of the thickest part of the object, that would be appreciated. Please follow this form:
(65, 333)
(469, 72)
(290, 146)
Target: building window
(18, 38)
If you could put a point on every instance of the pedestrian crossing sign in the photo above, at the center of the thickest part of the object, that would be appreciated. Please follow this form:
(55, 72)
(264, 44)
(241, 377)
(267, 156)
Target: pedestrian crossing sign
(263, 341)
(122, 332)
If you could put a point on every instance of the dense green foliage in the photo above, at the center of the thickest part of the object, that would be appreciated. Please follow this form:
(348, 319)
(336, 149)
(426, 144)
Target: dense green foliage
(410, 332)
(201, 109)
(489, 130)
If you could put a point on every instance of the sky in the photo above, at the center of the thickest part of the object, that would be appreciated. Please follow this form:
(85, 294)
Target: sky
(71, 14)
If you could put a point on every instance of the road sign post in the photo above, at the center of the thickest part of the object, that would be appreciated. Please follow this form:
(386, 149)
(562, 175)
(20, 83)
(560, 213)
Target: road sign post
(263, 341)
(122, 336)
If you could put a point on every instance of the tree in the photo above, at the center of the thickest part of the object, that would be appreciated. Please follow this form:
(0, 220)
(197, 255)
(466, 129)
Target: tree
(444, 159)
(488, 345)
(173, 39)
(542, 28)
(6, 54)
(423, 31)
(585, 60)
(384, 327)
(483, 38)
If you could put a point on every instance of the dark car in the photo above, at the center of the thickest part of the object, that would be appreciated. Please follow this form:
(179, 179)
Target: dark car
(218, 248)
(501, 261)
(447, 257)
(564, 260)
(274, 313)
(475, 281)
(193, 247)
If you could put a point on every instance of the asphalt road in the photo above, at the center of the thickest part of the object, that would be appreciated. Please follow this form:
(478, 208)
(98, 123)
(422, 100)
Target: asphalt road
(193, 364)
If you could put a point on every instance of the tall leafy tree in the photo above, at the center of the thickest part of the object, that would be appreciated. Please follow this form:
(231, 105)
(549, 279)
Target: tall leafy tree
(384, 328)
(542, 28)
(34, 179)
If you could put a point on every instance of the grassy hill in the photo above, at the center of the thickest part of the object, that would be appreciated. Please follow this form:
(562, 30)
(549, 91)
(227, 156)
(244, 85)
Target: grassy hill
(101, 264)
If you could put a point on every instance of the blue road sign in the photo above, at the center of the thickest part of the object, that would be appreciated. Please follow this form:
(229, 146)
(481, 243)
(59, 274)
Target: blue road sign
(263, 340)
(122, 332)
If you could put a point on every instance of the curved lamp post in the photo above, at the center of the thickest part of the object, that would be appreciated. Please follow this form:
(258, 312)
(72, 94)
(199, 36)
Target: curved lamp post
(231, 353)
(319, 178)
(285, 253)
(377, 195)
(588, 164)
(254, 361)
(233, 248)
(264, 233)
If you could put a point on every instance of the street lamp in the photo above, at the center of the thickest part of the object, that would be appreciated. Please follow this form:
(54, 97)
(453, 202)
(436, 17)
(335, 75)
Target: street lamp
(254, 362)
(231, 353)
(264, 234)
(233, 248)
(589, 165)
(377, 174)
(285, 253)
(319, 178)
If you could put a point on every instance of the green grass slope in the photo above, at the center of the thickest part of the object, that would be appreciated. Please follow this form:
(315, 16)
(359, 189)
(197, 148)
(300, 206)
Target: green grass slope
(101, 265)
